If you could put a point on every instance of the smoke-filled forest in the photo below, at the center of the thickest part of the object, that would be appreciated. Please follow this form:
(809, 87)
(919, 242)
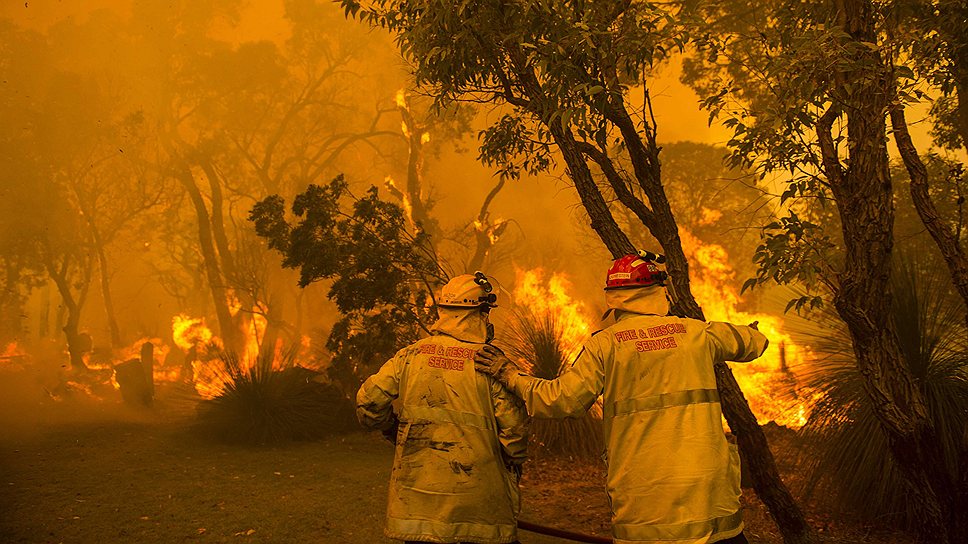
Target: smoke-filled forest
(219, 218)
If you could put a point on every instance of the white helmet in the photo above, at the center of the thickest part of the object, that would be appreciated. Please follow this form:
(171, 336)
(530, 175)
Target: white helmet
(468, 291)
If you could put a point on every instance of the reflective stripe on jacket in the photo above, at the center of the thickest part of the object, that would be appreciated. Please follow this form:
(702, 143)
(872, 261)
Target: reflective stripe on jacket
(458, 428)
(672, 476)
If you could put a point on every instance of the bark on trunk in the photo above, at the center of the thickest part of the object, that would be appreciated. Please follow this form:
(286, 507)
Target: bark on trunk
(864, 198)
(951, 250)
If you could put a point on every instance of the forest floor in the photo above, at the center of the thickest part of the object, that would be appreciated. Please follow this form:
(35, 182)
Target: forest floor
(102, 474)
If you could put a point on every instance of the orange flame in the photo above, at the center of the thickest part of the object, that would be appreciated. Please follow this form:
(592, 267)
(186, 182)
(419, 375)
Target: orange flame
(12, 357)
(553, 300)
(188, 332)
(209, 373)
(768, 383)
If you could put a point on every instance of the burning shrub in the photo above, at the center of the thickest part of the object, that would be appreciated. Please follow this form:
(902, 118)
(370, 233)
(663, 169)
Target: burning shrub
(850, 458)
(538, 342)
(273, 400)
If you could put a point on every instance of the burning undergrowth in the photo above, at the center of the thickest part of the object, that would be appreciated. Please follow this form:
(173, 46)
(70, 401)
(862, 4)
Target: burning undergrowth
(544, 336)
(272, 400)
(772, 383)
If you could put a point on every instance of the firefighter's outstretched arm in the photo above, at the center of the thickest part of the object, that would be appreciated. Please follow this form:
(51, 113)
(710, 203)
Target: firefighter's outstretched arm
(373, 400)
(569, 395)
(740, 343)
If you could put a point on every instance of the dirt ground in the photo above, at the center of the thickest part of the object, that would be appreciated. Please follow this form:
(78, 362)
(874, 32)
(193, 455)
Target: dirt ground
(106, 474)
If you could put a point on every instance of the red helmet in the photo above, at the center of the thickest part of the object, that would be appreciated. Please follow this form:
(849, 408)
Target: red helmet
(636, 271)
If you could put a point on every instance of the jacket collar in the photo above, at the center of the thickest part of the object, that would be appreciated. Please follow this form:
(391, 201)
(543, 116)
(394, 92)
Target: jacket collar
(637, 300)
(465, 325)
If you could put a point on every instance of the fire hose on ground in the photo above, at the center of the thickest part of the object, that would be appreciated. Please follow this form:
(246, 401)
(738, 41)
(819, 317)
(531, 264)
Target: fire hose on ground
(560, 533)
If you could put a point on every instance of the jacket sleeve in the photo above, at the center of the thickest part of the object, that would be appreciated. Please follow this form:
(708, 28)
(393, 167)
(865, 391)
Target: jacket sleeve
(735, 342)
(374, 399)
(512, 423)
(569, 395)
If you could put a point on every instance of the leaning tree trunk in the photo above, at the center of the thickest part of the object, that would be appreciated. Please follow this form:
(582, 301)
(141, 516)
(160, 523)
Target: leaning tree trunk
(864, 198)
(661, 222)
(946, 240)
(753, 446)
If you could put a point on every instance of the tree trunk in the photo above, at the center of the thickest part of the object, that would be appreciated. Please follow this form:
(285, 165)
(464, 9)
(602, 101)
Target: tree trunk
(105, 280)
(227, 328)
(414, 203)
(600, 217)
(267, 346)
(76, 344)
(951, 250)
(864, 198)
(217, 219)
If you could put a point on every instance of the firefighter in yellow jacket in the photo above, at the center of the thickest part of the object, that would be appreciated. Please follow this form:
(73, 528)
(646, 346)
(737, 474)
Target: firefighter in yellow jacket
(461, 437)
(672, 476)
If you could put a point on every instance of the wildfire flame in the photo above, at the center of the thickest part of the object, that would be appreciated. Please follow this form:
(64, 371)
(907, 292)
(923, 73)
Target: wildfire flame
(768, 383)
(188, 332)
(552, 299)
(209, 374)
(12, 357)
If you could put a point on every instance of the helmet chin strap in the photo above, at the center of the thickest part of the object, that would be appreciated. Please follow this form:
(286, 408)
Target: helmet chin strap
(489, 327)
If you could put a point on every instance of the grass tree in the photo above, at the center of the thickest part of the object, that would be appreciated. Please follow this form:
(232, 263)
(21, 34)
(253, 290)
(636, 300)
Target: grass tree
(849, 456)
(540, 342)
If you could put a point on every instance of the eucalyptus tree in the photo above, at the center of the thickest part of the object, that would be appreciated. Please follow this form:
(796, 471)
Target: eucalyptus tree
(807, 89)
(934, 36)
(561, 73)
(238, 120)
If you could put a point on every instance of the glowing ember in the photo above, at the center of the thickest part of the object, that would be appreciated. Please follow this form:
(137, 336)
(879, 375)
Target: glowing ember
(768, 383)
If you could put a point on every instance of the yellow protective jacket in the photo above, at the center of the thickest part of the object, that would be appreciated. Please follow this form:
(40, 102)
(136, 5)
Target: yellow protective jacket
(672, 476)
(459, 433)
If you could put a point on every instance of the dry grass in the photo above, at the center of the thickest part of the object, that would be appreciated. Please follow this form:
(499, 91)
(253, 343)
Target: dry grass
(129, 477)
